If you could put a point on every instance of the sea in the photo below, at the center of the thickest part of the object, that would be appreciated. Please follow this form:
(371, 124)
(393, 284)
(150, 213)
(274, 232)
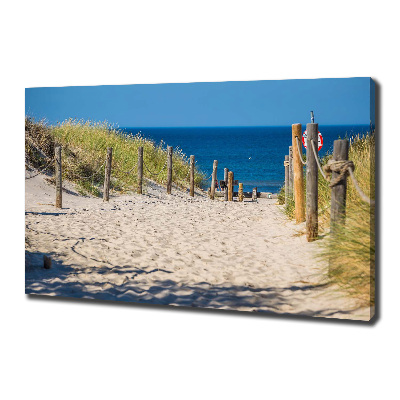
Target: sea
(254, 154)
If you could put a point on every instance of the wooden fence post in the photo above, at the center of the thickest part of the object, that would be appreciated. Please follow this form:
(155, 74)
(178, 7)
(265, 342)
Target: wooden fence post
(312, 184)
(169, 167)
(226, 170)
(230, 186)
(192, 162)
(338, 192)
(46, 262)
(240, 192)
(286, 164)
(140, 170)
(107, 175)
(254, 194)
(298, 174)
(58, 175)
(213, 179)
(290, 172)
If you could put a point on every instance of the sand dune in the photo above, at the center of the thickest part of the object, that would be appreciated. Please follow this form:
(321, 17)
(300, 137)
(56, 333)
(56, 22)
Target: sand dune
(176, 250)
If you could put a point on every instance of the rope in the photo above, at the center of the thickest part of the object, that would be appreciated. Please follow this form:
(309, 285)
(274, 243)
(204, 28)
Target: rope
(91, 176)
(33, 144)
(360, 192)
(340, 167)
(343, 168)
(156, 174)
(132, 169)
(41, 170)
(317, 160)
(286, 163)
(300, 154)
(209, 177)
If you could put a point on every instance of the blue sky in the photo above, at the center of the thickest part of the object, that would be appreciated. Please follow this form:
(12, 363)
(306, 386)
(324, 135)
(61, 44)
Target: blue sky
(336, 101)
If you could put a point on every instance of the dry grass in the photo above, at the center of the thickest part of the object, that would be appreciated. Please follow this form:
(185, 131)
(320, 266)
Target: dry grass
(351, 255)
(351, 252)
(39, 143)
(84, 147)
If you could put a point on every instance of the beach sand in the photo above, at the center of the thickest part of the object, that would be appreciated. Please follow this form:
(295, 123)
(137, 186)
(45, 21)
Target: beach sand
(176, 250)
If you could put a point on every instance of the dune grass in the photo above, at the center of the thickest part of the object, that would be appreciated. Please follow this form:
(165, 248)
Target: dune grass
(351, 252)
(84, 147)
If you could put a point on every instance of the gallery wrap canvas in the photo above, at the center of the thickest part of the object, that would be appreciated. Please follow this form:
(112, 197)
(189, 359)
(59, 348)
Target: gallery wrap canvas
(254, 196)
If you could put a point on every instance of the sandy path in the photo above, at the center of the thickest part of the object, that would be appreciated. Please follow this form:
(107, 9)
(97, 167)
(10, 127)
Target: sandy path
(176, 250)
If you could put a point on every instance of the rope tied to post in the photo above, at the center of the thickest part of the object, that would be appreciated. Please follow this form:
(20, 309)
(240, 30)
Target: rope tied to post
(344, 168)
(340, 167)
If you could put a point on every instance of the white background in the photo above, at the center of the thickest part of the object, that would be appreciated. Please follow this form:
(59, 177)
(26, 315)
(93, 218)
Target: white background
(53, 349)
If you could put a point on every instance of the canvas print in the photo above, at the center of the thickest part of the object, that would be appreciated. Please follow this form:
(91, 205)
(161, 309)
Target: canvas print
(253, 196)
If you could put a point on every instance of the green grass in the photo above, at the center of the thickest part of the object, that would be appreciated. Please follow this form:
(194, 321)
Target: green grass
(351, 252)
(289, 207)
(84, 147)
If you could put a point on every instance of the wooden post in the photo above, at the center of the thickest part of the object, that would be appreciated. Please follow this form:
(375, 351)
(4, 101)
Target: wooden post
(286, 164)
(233, 184)
(192, 162)
(107, 175)
(240, 192)
(254, 194)
(46, 262)
(312, 184)
(298, 175)
(226, 170)
(140, 170)
(290, 172)
(58, 175)
(338, 192)
(213, 179)
(169, 167)
(230, 186)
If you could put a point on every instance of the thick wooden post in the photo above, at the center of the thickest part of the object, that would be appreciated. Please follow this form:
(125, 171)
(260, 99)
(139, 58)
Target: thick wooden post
(213, 179)
(58, 175)
(169, 169)
(46, 262)
(107, 175)
(226, 170)
(230, 186)
(298, 175)
(240, 192)
(290, 172)
(140, 170)
(254, 194)
(286, 164)
(312, 184)
(338, 192)
(192, 162)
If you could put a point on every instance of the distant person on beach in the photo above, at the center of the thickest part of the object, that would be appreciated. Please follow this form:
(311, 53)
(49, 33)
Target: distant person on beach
(216, 184)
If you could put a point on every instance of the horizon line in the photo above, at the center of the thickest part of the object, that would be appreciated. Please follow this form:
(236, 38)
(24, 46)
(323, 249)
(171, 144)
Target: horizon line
(236, 126)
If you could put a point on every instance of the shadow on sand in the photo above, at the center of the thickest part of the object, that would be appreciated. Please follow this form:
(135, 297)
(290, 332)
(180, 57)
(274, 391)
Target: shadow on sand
(57, 282)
